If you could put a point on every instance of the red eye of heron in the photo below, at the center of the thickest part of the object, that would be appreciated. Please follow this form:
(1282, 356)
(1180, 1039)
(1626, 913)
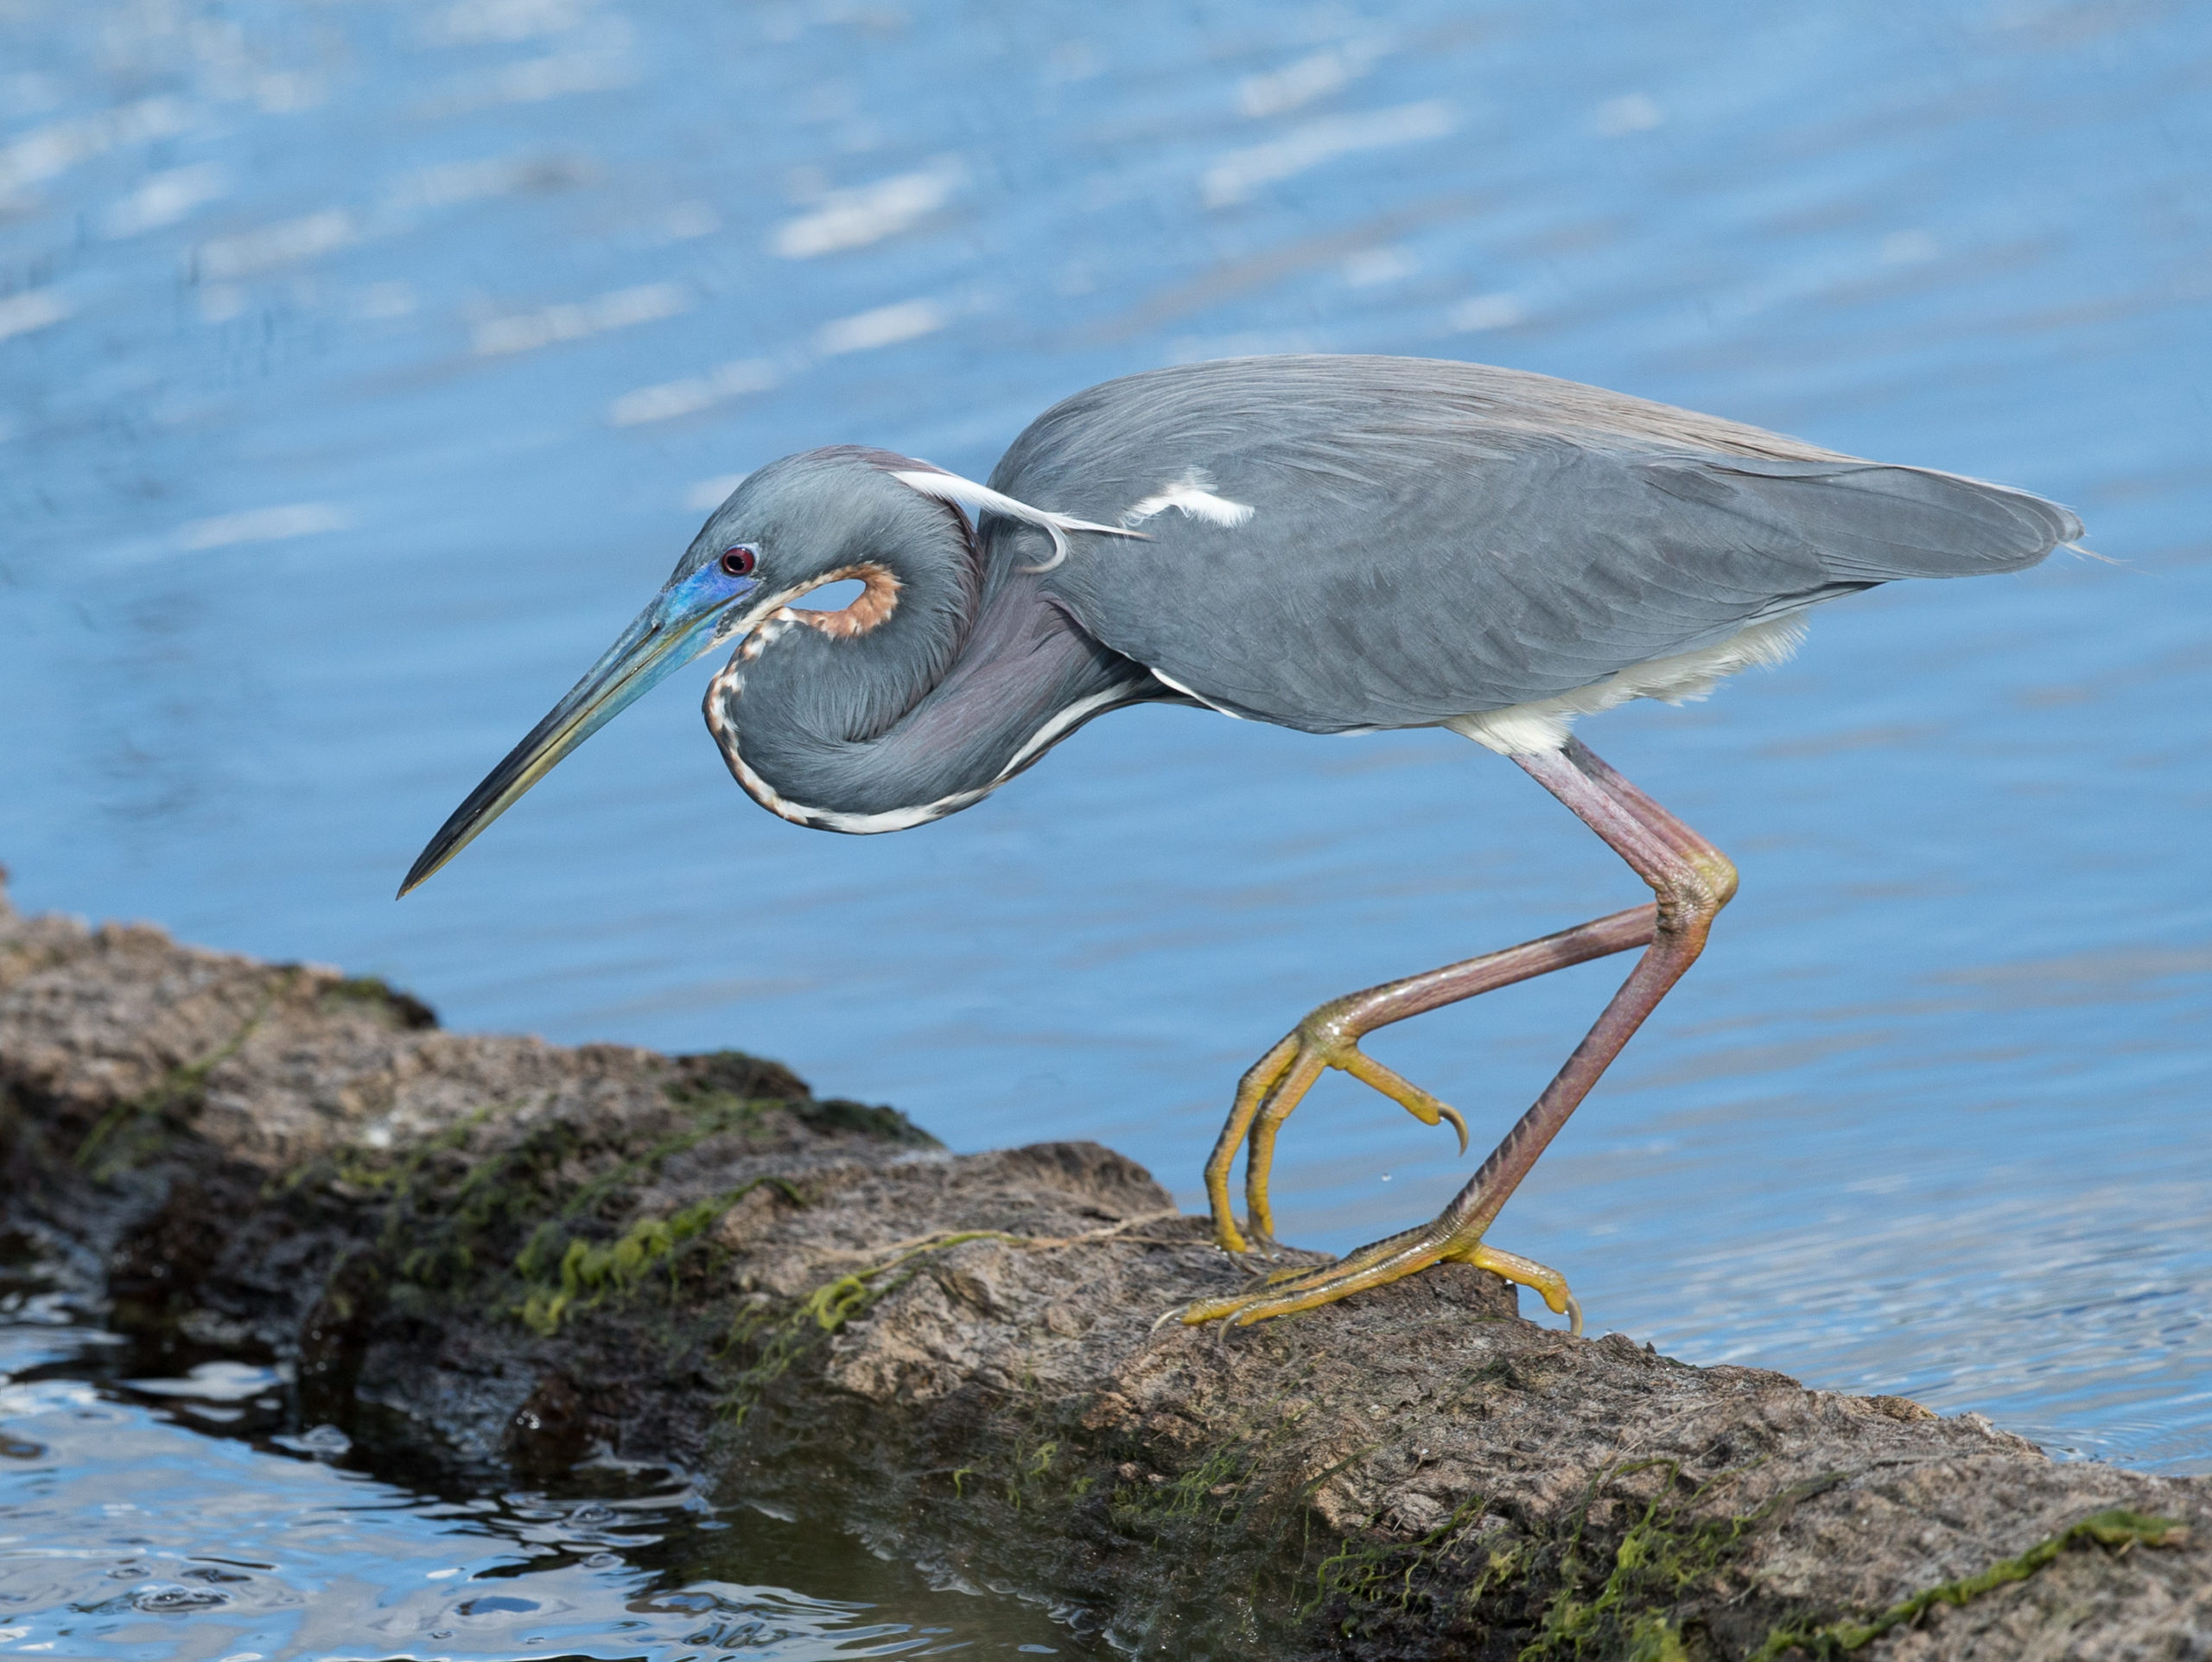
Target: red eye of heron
(738, 562)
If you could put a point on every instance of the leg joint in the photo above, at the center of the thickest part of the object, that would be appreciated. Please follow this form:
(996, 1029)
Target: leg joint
(1718, 873)
(1695, 894)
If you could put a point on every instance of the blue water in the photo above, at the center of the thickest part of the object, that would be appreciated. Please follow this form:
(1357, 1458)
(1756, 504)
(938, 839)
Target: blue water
(365, 368)
(149, 1514)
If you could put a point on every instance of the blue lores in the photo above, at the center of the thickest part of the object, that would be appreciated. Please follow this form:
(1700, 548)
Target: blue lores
(1335, 544)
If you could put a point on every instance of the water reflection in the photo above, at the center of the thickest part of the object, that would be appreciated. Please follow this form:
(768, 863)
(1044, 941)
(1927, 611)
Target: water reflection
(365, 365)
(153, 1519)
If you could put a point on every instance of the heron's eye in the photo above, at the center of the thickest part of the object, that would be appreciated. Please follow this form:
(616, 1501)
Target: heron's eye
(738, 562)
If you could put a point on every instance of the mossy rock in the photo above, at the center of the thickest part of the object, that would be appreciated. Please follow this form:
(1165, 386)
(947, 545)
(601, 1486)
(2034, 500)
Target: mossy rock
(883, 1124)
(402, 1011)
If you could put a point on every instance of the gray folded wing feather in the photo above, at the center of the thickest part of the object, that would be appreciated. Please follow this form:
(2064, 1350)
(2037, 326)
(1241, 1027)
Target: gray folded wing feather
(1432, 539)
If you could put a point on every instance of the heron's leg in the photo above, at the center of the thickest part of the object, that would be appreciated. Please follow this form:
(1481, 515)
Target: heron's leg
(1329, 1036)
(1692, 880)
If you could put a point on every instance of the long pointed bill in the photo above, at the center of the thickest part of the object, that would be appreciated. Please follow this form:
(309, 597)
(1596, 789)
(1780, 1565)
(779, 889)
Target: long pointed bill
(678, 627)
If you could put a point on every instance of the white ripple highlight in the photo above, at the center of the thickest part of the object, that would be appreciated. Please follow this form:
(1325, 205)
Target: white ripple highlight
(855, 218)
(886, 326)
(271, 525)
(225, 259)
(672, 398)
(1237, 174)
(36, 309)
(166, 197)
(45, 151)
(577, 320)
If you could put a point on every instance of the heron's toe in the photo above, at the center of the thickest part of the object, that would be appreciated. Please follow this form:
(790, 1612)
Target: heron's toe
(1288, 1291)
(1540, 1279)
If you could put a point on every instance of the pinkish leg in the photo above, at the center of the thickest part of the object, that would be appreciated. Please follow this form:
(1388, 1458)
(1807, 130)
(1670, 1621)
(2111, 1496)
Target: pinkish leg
(1329, 1037)
(1691, 881)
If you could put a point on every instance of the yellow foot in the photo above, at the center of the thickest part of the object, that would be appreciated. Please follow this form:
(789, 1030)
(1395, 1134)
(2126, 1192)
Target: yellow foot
(1327, 1038)
(1546, 1282)
(1287, 1293)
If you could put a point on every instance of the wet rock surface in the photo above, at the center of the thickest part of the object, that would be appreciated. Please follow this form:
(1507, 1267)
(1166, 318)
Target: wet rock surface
(514, 1256)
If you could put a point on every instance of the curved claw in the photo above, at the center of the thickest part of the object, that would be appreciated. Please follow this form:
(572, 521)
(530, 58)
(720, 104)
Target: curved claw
(1458, 1125)
(1273, 1088)
(1423, 1106)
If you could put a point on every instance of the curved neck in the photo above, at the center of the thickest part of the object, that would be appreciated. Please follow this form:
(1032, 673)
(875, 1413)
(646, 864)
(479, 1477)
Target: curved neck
(915, 717)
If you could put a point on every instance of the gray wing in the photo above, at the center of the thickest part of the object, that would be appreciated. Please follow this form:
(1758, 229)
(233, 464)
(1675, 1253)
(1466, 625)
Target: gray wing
(1432, 539)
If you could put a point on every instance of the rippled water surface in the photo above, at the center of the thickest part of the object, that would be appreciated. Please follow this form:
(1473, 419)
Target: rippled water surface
(153, 1508)
(364, 366)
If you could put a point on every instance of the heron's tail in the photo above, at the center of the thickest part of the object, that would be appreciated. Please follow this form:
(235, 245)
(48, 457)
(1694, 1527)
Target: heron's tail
(1871, 522)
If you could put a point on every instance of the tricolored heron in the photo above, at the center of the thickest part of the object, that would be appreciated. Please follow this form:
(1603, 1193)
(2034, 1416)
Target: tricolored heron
(1337, 545)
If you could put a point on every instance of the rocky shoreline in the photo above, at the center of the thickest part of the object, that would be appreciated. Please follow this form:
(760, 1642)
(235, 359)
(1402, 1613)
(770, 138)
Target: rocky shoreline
(528, 1256)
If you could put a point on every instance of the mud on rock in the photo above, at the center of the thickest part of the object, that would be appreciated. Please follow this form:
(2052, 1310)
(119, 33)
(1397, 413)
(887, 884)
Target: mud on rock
(527, 1256)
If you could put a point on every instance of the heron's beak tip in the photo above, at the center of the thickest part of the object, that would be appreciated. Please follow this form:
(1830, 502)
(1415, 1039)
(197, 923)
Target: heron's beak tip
(666, 636)
(418, 873)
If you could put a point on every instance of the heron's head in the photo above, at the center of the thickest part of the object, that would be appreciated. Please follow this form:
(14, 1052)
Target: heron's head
(793, 526)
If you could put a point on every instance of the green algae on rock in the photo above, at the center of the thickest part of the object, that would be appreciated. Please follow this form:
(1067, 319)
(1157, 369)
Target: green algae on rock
(521, 1255)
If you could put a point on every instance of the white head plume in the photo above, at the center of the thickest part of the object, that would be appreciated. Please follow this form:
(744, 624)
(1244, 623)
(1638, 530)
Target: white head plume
(934, 481)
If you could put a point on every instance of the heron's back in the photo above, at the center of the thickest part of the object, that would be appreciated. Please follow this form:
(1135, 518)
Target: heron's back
(1430, 539)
